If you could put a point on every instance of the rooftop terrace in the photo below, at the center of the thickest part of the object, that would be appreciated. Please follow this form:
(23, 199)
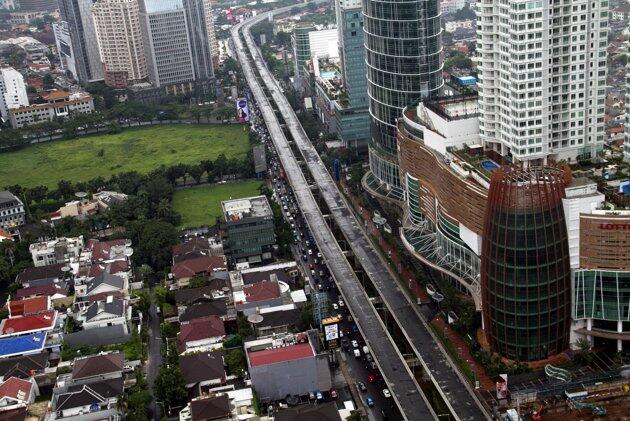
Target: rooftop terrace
(251, 207)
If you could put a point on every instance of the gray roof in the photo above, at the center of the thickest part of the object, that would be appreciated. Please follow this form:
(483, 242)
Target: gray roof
(87, 394)
(201, 367)
(99, 336)
(115, 307)
(204, 309)
(106, 278)
(7, 197)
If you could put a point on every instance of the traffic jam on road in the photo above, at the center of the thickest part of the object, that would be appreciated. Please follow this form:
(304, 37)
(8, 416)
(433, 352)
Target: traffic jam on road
(366, 378)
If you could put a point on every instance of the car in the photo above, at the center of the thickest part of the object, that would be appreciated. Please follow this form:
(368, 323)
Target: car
(319, 254)
(319, 395)
(335, 306)
(345, 344)
(373, 365)
(357, 353)
(310, 252)
(368, 358)
(341, 303)
(371, 378)
(386, 393)
(311, 266)
(311, 395)
(355, 344)
(362, 387)
(313, 272)
(320, 287)
(333, 393)
(370, 402)
(304, 258)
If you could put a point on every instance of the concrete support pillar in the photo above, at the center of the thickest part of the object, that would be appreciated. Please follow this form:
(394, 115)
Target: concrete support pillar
(619, 341)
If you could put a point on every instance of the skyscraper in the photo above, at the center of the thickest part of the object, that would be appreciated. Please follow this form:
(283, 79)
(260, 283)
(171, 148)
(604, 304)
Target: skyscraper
(402, 43)
(351, 113)
(117, 24)
(542, 76)
(201, 34)
(167, 45)
(77, 15)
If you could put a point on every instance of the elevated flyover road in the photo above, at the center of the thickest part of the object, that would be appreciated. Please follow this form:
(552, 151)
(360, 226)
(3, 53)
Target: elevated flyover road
(405, 390)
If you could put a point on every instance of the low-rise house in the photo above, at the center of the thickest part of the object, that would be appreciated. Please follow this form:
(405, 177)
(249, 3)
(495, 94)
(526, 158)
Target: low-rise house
(81, 209)
(188, 296)
(202, 265)
(98, 367)
(98, 399)
(103, 283)
(277, 319)
(258, 295)
(38, 275)
(106, 313)
(33, 343)
(29, 306)
(23, 325)
(109, 335)
(16, 392)
(24, 366)
(201, 334)
(207, 409)
(54, 290)
(109, 251)
(322, 412)
(59, 250)
(204, 309)
(202, 371)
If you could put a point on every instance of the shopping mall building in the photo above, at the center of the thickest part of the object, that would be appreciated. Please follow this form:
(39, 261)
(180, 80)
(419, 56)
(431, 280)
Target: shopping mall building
(542, 254)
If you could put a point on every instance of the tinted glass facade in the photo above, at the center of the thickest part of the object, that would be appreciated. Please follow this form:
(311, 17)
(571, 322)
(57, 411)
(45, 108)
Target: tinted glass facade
(525, 274)
(402, 43)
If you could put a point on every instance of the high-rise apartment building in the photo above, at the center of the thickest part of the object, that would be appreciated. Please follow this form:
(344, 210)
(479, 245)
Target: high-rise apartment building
(117, 24)
(301, 50)
(167, 44)
(77, 15)
(403, 48)
(38, 5)
(201, 35)
(542, 76)
(12, 91)
(626, 144)
(351, 113)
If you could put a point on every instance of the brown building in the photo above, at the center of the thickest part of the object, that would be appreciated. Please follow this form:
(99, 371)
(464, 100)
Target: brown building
(605, 240)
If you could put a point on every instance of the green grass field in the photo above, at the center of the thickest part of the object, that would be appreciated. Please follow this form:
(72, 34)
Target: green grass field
(200, 206)
(138, 149)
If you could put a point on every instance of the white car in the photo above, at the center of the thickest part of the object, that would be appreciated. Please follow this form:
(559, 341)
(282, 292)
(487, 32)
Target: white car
(354, 343)
(341, 303)
(386, 393)
(335, 306)
(310, 252)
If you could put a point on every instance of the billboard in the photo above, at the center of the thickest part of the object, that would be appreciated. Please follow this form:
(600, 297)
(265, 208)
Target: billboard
(242, 110)
(331, 332)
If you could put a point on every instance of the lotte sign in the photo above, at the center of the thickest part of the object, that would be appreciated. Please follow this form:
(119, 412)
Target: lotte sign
(616, 227)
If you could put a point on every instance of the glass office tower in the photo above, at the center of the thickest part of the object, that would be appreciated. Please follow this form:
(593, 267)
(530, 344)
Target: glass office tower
(402, 45)
(525, 268)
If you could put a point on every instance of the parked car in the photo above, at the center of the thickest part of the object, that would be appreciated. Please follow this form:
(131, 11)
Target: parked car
(357, 353)
(319, 395)
(333, 393)
(370, 402)
(355, 344)
(386, 393)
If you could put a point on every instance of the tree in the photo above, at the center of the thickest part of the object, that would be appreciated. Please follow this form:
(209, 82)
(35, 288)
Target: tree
(49, 82)
(153, 240)
(224, 113)
(236, 362)
(170, 387)
(195, 113)
(198, 281)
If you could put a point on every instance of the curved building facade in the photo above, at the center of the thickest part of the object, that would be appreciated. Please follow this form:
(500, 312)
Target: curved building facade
(402, 43)
(525, 265)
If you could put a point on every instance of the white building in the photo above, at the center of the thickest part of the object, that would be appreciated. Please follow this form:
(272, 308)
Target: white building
(453, 25)
(59, 250)
(450, 6)
(63, 41)
(324, 43)
(58, 103)
(12, 91)
(542, 76)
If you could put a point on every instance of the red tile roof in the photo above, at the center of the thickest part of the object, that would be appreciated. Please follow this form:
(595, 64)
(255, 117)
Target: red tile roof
(41, 290)
(282, 354)
(29, 306)
(13, 386)
(100, 249)
(199, 329)
(261, 291)
(192, 267)
(33, 322)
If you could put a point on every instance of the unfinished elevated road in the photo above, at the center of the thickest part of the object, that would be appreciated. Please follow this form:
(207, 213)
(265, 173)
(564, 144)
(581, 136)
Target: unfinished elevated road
(457, 393)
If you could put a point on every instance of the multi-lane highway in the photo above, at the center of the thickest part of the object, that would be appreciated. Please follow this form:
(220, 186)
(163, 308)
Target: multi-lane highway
(455, 390)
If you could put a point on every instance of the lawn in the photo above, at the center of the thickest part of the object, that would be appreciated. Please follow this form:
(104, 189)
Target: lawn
(200, 206)
(137, 149)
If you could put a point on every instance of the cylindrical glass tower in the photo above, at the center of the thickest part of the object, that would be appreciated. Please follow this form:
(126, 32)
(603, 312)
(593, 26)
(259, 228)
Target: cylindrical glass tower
(525, 273)
(402, 47)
